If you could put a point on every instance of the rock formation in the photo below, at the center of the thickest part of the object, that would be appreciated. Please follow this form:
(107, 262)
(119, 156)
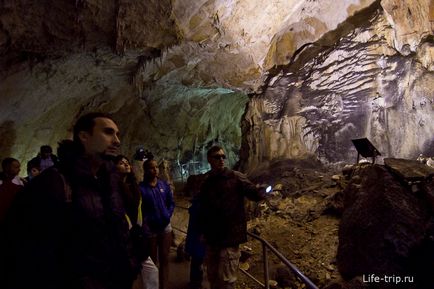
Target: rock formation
(387, 225)
(367, 78)
(177, 75)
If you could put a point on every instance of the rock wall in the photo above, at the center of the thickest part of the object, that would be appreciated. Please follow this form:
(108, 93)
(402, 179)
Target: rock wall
(56, 26)
(174, 122)
(386, 227)
(176, 74)
(367, 78)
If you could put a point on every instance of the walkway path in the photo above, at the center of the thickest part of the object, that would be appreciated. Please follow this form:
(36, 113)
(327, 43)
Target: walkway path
(179, 272)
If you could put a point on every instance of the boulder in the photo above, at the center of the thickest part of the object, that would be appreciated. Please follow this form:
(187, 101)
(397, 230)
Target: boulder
(383, 228)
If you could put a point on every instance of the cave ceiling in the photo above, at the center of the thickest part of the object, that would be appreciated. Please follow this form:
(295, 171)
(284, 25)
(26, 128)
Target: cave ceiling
(302, 76)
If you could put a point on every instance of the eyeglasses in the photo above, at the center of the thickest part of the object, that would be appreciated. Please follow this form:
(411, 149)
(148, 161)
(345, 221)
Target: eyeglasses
(219, 157)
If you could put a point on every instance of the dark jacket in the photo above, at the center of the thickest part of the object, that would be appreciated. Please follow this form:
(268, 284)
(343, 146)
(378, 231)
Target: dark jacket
(9, 188)
(37, 229)
(61, 243)
(100, 229)
(221, 207)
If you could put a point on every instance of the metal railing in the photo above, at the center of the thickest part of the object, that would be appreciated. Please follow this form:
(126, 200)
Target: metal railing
(266, 245)
(292, 267)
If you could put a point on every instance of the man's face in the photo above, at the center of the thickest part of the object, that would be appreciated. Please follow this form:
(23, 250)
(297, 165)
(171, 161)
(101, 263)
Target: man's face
(45, 155)
(104, 138)
(217, 160)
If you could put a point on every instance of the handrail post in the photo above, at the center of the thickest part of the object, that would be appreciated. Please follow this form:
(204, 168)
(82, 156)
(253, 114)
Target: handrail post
(285, 261)
(266, 273)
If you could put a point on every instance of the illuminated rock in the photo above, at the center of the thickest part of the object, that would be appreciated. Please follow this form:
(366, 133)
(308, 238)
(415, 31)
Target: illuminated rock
(176, 74)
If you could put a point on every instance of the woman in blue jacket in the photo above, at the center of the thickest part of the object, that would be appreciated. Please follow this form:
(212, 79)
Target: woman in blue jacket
(157, 209)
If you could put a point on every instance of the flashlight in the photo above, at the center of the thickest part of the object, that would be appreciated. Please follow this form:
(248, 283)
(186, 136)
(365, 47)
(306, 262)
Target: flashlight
(268, 189)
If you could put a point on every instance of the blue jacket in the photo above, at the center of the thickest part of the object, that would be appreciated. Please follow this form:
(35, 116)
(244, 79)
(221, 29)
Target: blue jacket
(157, 205)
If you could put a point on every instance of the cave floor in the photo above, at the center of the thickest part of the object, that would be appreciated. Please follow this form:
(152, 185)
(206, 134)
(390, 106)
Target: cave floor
(307, 239)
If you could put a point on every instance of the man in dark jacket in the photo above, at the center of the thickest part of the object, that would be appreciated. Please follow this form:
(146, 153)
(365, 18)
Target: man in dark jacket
(76, 237)
(222, 218)
(45, 158)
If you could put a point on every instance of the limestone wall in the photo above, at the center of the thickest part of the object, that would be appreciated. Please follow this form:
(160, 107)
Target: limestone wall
(371, 77)
(176, 74)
